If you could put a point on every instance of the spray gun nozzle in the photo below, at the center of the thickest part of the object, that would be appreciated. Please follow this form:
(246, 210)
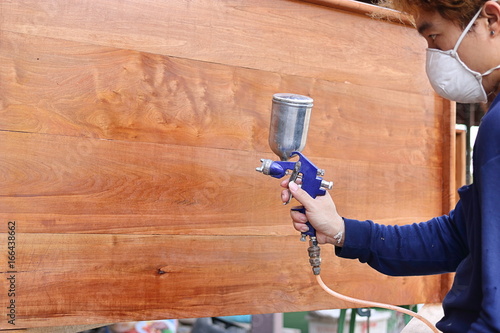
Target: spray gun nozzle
(265, 168)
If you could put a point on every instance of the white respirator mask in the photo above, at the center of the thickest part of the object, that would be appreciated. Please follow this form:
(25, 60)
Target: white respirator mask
(451, 78)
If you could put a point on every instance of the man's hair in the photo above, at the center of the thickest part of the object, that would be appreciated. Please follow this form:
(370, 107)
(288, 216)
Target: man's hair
(458, 11)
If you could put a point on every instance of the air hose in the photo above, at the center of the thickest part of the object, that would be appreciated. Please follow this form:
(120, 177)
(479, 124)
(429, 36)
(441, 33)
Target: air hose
(369, 304)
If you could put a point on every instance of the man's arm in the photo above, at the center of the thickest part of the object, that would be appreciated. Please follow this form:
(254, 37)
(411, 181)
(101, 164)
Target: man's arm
(433, 247)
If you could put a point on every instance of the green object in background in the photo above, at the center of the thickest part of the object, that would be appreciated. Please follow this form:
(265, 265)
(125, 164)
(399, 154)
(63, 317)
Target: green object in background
(299, 320)
(340, 325)
(296, 320)
(413, 308)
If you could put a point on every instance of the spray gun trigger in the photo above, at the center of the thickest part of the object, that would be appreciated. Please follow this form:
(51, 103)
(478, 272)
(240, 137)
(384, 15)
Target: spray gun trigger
(297, 180)
(295, 177)
(290, 197)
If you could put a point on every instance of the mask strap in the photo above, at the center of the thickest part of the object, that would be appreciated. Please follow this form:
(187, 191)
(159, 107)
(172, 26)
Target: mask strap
(466, 30)
(490, 71)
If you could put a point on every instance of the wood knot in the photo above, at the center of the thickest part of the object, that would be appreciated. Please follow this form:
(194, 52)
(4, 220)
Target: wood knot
(162, 271)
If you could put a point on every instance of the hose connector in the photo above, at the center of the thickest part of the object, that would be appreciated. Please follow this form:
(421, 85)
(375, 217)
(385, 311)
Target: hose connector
(314, 256)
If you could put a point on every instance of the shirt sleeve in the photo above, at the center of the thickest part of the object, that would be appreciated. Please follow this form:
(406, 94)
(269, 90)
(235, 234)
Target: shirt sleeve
(433, 247)
(489, 320)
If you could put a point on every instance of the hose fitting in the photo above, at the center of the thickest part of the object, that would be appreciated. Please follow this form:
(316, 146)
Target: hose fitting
(314, 256)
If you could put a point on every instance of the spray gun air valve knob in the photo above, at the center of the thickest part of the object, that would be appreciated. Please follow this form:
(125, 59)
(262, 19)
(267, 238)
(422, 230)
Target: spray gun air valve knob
(326, 184)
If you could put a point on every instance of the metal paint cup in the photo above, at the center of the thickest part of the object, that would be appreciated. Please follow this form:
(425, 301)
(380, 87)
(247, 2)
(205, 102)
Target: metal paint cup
(289, 123)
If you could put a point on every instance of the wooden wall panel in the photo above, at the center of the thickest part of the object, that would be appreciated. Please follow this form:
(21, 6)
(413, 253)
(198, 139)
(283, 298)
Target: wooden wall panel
(134, 276)
(122, 187)
(129, 136)
(273, 36)
(128, 94)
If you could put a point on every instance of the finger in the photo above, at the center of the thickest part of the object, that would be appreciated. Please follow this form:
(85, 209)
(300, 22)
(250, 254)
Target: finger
(298, 216)
(302, 196)
(302, 227)
(285, 182)
(285, 195)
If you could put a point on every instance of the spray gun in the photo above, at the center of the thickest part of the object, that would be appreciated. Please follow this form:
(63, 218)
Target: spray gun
(287, 138)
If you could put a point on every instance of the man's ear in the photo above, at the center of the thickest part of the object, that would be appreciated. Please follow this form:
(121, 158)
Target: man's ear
(491, 11)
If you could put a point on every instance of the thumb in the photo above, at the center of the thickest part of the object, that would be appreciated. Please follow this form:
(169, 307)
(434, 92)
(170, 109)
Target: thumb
(302, 196)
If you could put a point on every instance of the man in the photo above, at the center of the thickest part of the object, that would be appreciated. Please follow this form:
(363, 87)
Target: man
(462, 62)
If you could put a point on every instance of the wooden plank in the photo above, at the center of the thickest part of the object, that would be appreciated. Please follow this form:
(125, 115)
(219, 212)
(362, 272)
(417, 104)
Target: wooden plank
(367, 9)
(460, 166)
(122, 187)
(258, 34)
(57, 329)
(126, 95)
(449, 156)
(83, 279)
(432, 312)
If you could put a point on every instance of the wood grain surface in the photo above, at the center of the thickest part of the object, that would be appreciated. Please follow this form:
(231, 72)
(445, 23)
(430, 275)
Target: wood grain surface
(288, 37)
(129, 136)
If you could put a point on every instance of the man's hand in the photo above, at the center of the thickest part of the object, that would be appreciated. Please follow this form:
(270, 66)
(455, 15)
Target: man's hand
(320, 212)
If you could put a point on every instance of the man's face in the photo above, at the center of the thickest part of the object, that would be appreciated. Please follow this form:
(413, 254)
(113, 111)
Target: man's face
(438, 32)
(443, 34)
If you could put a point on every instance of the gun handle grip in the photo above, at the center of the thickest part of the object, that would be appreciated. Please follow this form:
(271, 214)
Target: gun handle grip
(311, 232)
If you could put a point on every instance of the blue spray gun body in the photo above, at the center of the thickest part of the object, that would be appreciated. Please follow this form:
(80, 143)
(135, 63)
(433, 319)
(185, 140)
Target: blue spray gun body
(287, 137)
(302, 171)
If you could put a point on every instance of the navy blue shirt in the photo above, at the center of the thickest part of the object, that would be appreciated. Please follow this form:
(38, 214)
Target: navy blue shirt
(466, 241)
